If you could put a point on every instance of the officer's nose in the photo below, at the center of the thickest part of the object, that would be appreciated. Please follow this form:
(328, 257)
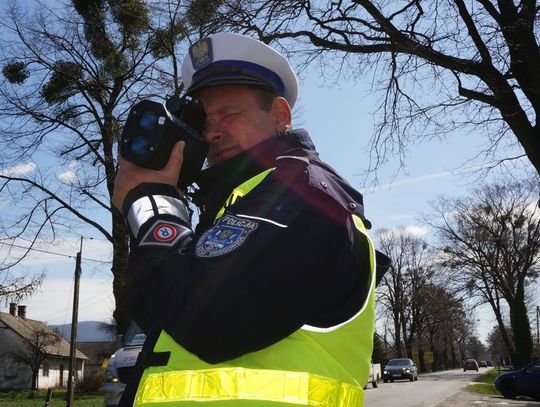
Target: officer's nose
(212, 132)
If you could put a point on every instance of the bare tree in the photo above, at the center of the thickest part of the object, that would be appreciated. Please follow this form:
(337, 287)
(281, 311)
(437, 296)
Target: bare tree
(491, 246)
(399, 290)
(14, 288)
(70, 75)
(39, 345)
(440, 325)
(441, 65)
(475, 348)
(497, 346)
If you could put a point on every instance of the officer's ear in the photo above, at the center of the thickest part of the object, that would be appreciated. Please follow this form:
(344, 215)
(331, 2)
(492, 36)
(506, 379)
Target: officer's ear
(282, 114)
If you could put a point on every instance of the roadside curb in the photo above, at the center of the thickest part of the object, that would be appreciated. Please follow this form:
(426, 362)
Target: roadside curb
(467, 398)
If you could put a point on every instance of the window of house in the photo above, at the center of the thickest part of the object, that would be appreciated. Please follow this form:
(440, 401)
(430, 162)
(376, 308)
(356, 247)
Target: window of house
(10, 368)
(45, 369)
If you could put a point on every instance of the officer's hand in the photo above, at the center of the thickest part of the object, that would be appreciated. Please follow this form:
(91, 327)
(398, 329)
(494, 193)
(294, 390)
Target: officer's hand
(130, 175)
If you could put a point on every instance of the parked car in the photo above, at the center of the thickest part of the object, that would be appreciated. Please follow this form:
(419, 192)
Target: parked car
(523, 382)
(400, 368)
(470, 364)
(482, 363)
(122, 364)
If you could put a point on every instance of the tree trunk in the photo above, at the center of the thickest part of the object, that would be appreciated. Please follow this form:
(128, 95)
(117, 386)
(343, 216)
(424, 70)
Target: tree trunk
(436, 360)
(445, 354)
(432, 348)
(119, 230)
(453, 353)
(34, 380)
(420, 342)
(397, 345)
(406, 338)
(119, 268)
(504, 335)
(513, 114)
(519, 320)
(421, 363)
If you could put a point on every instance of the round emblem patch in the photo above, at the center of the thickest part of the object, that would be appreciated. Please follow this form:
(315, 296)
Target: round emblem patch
(164, 232)
(227, 235)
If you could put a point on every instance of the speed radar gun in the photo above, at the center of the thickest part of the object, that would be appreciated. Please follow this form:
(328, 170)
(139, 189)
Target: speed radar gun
(152, 129)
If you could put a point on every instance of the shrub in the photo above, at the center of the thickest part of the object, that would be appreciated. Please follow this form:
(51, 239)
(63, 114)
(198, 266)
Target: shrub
(91, 383)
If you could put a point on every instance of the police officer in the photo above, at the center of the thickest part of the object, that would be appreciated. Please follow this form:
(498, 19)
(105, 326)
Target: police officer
(270, 300)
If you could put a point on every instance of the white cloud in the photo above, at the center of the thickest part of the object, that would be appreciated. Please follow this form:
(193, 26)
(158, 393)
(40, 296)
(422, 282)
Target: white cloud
(413, 230)
(427, 177)
(69, 176)
(417, 230)
(19, 170)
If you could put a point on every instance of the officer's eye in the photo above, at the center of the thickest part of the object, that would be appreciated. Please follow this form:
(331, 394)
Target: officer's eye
(231, 115)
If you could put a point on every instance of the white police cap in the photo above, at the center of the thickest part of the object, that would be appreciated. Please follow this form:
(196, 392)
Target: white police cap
(234, 59)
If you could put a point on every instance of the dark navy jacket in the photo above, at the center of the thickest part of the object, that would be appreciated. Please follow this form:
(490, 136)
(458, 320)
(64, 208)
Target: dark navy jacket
(283, 256)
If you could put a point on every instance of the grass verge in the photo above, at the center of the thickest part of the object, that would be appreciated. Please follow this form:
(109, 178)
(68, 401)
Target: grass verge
(486, 383)
(26, 398)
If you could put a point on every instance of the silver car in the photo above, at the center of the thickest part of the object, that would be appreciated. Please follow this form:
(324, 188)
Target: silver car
(122, 365)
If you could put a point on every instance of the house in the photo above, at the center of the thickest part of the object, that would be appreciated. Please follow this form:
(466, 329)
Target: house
(97, 340)
(98, 354)
(27, 345)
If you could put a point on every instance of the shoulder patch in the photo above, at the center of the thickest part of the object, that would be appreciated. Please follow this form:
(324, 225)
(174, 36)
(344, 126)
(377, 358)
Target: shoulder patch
(229, 233)
(164, 234)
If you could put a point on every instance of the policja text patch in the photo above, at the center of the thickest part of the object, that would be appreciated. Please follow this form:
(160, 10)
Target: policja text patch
(227, 235)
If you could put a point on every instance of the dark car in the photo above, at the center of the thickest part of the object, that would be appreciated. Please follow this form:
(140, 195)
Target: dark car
(482, 363)
(523, 382)
(401, 368)
(470, 364)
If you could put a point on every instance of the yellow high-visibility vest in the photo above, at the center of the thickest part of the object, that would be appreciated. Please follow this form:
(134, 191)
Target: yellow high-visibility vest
(311, 367)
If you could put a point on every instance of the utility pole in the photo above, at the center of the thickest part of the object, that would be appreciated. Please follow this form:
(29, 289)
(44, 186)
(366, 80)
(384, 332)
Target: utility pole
(537, 328)
(73, 339)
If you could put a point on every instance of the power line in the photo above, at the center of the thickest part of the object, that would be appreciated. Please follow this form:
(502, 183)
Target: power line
(53, 253)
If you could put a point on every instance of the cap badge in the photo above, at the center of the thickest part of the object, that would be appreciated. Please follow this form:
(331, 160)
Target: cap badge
(201, 53)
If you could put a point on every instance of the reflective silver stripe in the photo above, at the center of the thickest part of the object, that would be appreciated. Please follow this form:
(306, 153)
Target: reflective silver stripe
(171, 206)
(273, 222)
(142, 210)
(306, 160)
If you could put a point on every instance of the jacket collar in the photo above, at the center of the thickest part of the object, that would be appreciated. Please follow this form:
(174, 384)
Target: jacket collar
(216, 183)
(249, 163)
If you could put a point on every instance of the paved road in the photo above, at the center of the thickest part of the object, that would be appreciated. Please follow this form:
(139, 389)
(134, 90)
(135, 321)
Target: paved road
(441, 389)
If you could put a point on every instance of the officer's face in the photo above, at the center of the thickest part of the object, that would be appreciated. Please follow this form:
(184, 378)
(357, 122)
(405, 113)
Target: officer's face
(236, 122)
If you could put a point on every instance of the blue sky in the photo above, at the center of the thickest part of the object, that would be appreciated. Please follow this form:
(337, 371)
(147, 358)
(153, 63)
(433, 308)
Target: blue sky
(340, 121)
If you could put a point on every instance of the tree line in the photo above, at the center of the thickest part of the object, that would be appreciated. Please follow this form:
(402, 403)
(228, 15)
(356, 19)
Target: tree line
(485, 251)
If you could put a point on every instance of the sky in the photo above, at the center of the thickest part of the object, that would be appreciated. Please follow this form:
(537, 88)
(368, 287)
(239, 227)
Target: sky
(340, 121)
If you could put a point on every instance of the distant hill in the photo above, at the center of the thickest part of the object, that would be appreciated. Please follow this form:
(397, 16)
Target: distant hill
(87, 331)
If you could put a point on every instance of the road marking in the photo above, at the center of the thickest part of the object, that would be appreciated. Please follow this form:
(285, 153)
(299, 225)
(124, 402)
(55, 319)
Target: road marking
(500, 403)
(440, 401)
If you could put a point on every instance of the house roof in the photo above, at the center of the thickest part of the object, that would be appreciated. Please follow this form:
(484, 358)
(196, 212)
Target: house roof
(27, 328)
(97, 351)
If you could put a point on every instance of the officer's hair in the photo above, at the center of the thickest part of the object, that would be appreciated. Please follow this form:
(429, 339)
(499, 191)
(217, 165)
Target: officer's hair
(265, 97)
